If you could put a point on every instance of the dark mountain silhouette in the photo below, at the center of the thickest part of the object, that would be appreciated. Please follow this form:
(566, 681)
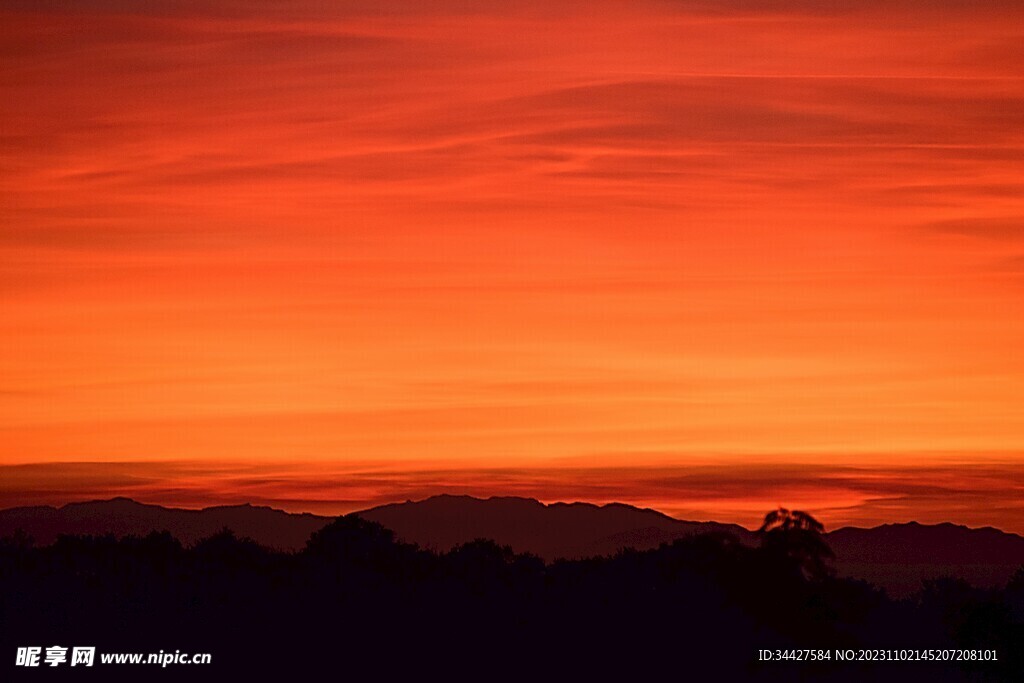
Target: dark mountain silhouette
(558, 530)
(125, 517)
(900, 556)
(897, 557)
(570, 530)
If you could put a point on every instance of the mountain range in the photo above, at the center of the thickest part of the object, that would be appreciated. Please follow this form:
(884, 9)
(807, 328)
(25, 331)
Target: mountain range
(896, 557)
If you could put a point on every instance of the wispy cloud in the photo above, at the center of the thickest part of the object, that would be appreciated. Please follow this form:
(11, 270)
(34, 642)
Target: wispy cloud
(995, 228)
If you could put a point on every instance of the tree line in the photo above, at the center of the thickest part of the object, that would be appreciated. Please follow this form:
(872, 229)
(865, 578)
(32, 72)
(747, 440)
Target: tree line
(357, 601)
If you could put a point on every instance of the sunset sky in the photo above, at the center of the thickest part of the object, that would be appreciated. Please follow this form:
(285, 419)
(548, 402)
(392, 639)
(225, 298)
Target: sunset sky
(702, 256)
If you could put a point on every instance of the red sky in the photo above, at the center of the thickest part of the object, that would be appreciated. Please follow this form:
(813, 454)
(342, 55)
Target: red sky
(708, 257)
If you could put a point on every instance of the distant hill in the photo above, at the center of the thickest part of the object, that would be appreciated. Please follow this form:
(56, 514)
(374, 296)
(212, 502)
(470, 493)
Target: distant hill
(125, 517)
(894, 556)
(558, 530)
(899, 556)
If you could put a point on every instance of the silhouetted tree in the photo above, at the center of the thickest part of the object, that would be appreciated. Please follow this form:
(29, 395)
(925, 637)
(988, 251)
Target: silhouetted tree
(788, 520)
(798, 536)
(18, 542)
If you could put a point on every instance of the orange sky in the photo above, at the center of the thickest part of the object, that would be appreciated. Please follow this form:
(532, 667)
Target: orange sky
(771, 250)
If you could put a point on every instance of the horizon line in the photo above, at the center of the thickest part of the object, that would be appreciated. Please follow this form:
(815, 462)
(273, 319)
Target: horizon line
(546, 504)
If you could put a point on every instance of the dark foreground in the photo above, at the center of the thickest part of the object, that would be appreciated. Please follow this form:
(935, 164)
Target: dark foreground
(356, 605)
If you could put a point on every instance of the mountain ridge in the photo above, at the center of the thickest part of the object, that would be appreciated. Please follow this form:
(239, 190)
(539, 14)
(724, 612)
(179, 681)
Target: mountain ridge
(897, 556)
(614, 505)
